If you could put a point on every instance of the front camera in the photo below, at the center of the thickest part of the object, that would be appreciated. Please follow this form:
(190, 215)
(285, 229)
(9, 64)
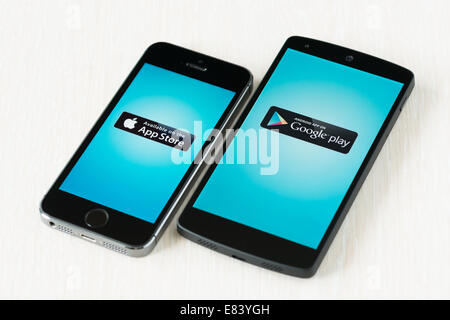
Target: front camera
(349, 58)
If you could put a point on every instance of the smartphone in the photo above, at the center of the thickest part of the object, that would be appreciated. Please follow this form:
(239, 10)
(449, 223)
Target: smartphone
(328, 111)
(142, 157)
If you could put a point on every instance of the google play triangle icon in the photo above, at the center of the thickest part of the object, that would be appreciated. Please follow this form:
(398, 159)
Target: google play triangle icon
(276, 120)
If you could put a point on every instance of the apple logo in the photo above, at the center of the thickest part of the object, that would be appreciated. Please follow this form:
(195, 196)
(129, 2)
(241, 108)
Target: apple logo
(129, 123)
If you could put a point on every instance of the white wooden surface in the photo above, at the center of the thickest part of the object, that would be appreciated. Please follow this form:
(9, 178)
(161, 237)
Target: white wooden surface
(61, 62)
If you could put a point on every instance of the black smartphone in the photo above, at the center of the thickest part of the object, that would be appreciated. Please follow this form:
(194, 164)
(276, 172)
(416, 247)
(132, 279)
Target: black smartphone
(131, 173)
(328, 111)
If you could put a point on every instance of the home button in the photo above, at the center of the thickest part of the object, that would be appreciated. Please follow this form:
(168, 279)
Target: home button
(96, 218)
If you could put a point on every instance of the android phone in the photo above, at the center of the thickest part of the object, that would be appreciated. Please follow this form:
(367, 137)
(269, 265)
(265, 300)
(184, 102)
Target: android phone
(143, 155)
(321, 115)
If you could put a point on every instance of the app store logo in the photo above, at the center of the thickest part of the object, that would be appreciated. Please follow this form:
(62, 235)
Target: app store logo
(155, 131)
(130, 123)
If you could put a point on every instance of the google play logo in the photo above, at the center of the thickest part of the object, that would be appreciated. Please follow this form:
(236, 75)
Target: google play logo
(308, 129)
(276, 120)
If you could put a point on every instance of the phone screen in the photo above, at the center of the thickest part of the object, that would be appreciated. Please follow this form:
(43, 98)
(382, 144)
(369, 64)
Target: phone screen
(147, 143)
(322, 118)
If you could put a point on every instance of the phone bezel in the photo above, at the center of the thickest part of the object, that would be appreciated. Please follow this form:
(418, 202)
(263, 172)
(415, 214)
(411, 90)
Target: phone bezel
(121, 226)
(263, 248)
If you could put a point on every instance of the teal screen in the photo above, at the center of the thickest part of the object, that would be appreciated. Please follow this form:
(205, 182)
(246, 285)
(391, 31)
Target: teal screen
(135, 175)
(299, 201)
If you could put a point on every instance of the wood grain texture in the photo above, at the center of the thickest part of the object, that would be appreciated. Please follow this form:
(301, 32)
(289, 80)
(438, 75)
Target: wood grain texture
(61, 62)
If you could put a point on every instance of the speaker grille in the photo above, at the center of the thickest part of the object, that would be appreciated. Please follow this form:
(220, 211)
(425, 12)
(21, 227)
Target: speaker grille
(64, 229)
(115, 248)
(207, 244)
(271, 266)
